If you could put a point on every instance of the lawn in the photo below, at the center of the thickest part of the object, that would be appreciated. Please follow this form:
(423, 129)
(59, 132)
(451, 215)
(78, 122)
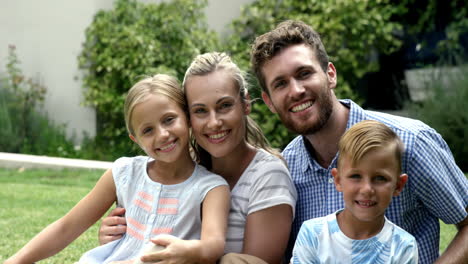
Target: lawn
(32, 199)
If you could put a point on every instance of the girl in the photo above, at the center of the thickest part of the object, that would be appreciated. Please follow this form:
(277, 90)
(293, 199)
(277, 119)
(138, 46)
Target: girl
(230, 144)
(163, 193)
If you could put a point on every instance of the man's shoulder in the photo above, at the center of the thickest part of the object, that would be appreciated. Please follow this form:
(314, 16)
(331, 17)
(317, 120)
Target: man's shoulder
(400, 124)
(296, 145)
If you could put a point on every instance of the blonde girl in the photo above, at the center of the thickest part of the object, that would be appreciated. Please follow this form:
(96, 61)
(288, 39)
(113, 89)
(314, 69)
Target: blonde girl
(165, 192)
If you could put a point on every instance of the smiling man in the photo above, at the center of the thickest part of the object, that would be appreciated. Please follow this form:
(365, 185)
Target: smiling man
(298, 83)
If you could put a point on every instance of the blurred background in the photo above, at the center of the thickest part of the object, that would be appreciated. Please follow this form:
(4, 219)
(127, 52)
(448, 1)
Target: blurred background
(65, 66)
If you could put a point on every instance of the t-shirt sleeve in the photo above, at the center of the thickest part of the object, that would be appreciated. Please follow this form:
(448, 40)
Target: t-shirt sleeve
(441, 185)
(306, 245)
(272, 185)
(407, 250)
(121, 171)
(209, 181)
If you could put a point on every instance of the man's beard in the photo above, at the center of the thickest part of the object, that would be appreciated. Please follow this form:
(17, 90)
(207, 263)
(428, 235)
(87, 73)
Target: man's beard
(308, 128)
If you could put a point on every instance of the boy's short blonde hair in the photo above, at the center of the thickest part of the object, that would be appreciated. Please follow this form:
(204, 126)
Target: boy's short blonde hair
(365, 136)
(158, 84)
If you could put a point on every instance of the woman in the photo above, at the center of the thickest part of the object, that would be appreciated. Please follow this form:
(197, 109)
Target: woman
(229, 143)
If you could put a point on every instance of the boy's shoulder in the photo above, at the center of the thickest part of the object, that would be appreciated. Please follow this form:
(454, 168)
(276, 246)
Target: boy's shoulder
(401, 234)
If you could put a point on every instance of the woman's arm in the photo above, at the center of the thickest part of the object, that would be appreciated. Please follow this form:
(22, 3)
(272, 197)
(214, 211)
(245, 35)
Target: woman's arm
(113, 226)
(210, 247)
(267, 232)
(62, 232)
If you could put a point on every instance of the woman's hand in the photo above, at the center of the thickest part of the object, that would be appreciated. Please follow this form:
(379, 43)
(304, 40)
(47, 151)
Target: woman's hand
(113, 226)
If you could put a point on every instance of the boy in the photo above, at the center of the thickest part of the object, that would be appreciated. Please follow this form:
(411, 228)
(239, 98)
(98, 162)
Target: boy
(368, 175)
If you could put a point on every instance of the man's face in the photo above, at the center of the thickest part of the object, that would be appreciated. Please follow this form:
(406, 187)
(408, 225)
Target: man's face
(299, 90)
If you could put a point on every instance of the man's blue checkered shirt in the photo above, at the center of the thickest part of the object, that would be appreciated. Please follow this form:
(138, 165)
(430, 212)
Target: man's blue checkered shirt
(436, 187)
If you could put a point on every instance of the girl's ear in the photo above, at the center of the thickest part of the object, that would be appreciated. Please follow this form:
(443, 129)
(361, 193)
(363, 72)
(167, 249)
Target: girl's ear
(336, 178)
(401, 181)
(132, 138)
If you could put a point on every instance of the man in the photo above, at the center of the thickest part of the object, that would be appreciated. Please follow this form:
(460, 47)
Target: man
(297, 83)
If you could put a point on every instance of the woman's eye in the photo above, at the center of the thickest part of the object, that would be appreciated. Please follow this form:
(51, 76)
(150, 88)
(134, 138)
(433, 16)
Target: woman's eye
(199, 111)
(226, 105)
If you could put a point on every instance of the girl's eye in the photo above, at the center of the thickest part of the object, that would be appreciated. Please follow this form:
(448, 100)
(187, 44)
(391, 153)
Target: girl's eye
(147, 130)
(168, 120)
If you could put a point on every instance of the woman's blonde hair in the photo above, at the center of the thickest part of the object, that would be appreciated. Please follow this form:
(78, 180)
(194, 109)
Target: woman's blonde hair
(207, 63)
(160, 84)
(365, 136)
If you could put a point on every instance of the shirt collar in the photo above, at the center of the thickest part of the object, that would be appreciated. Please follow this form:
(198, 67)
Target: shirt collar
(356, 114)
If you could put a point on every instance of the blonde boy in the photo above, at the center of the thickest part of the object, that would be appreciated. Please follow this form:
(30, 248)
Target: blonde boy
(368, 175)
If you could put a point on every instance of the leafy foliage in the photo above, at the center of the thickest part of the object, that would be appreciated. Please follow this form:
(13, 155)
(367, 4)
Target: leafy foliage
(24, 128)
(352, 32)
(444, 111)
(133, 40)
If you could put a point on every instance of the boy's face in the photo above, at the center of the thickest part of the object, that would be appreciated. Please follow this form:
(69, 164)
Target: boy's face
(369, 185)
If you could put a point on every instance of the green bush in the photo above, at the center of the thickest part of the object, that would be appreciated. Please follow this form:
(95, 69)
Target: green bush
(445, 110)
(352, 32)
(24, 128)
(133, 40)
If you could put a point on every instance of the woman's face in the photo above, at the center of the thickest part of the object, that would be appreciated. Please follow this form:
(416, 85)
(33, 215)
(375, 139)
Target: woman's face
(217, 113)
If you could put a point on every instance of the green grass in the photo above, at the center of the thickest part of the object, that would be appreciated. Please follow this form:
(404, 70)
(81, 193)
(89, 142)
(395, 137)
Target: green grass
(32, 199)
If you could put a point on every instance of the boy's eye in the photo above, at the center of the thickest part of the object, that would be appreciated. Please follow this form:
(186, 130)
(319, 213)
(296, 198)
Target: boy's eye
(381, 179)
(354, 176)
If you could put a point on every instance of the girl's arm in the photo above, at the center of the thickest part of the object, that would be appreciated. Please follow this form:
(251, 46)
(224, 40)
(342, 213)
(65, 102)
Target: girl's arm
(210, 247)
(267, 232)
(62, 232)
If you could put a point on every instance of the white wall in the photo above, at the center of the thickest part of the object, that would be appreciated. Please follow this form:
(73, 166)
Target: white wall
(48, 36)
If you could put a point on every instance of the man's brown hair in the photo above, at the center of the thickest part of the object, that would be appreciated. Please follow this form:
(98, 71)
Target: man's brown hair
(286, 34)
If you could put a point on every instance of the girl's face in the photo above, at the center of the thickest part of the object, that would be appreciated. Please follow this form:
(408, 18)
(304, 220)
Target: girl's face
(161, 128)
(217, 113)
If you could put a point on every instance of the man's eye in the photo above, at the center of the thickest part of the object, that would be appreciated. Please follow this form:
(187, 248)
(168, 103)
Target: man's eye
(304, 74)
(279, 84)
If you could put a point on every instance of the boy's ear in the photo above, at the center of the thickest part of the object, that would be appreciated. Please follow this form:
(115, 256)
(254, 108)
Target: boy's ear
(401, 181)
(336, 178)
(266, 99)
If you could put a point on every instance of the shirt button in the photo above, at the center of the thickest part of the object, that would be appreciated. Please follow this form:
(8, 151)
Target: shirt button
(330, 180)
